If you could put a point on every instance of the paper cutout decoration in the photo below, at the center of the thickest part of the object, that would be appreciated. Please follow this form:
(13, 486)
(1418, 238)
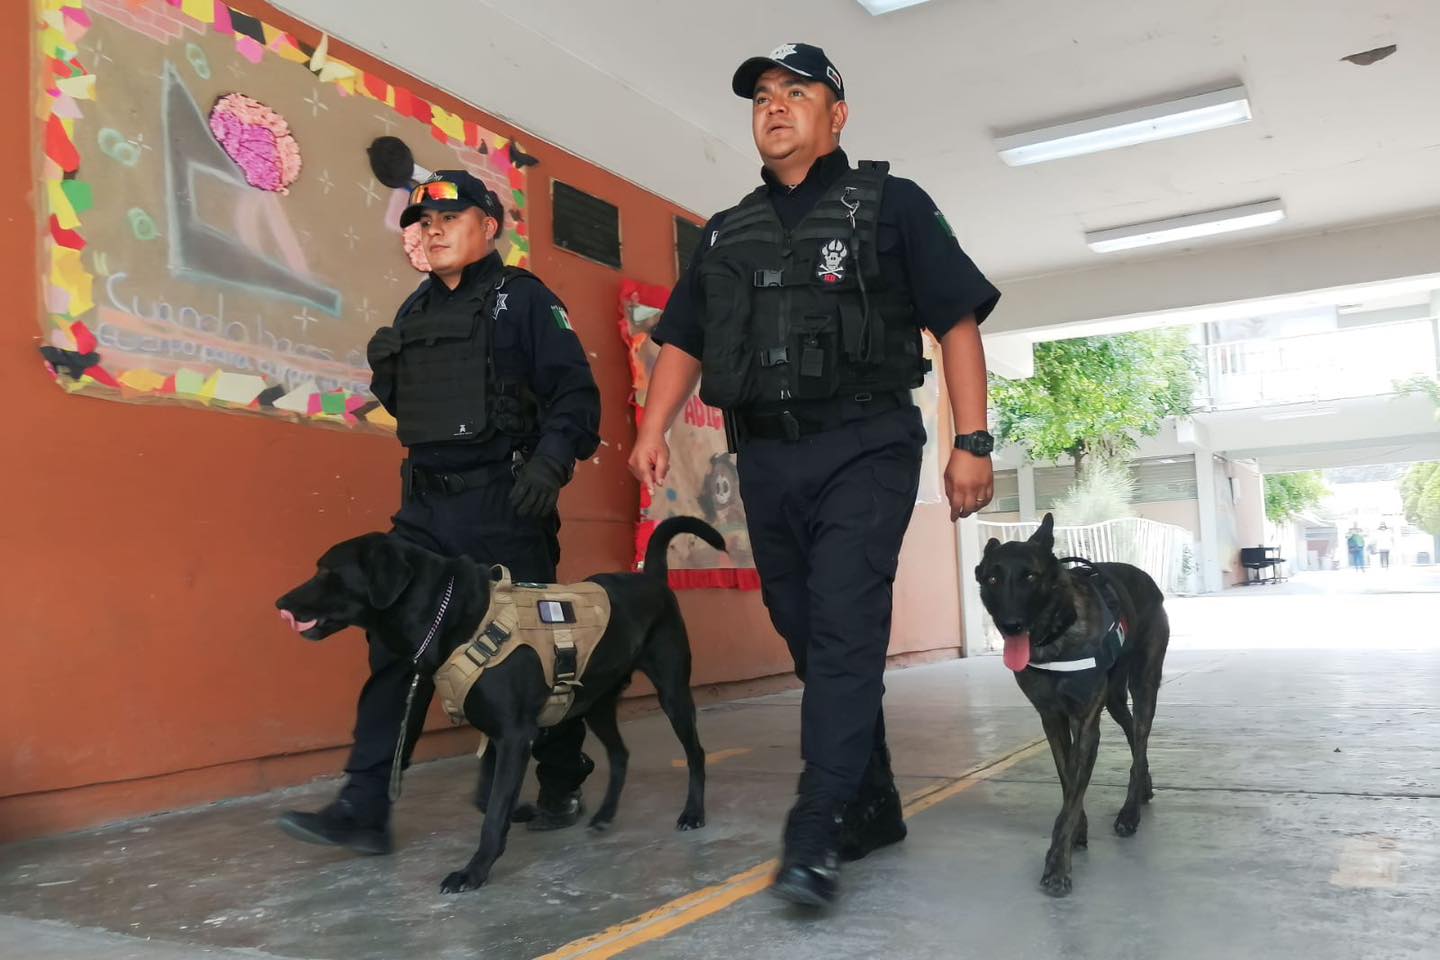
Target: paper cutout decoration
(702, 479)
(520, 158)
(258, 140)
(414, 248)
(392, 162)
(118, 225)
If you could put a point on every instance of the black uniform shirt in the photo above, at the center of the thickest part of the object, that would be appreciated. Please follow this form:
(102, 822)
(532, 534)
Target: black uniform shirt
(534, 343)
(915, 243)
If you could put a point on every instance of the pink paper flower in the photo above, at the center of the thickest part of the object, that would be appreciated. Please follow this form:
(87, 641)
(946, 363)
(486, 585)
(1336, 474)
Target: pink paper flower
(258, 140)
(414, 249)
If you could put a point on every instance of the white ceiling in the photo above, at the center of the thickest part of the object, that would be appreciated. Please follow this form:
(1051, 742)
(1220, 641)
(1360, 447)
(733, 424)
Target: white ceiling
(641, 87)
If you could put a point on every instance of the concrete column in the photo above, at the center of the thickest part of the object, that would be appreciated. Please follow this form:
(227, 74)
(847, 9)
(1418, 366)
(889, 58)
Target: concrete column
(1435, 327)
(1208, 545)
(1025, 474)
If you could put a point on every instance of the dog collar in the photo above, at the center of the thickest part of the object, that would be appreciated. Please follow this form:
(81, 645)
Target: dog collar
(1064, 666)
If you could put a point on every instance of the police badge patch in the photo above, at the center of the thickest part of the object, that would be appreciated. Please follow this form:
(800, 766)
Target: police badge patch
(830, 268)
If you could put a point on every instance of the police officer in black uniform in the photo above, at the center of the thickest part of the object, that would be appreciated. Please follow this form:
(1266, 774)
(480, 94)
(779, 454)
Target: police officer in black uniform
(800, 317)
(494, 399)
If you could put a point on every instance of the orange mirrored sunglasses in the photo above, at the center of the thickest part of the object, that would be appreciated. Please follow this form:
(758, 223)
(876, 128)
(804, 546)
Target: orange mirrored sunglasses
(436, 190)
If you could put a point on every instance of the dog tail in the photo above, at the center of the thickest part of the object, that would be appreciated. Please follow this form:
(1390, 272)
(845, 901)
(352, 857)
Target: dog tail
(670, 528)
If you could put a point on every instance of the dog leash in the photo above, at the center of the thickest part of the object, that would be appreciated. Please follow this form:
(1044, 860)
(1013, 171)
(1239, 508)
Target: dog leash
(395, 772)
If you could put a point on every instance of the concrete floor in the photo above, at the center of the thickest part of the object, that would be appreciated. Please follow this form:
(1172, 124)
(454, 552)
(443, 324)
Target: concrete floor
(1297, 814)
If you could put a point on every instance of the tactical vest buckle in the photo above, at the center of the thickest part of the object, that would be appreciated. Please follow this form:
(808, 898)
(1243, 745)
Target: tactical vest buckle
(769, 278)
(774, 356)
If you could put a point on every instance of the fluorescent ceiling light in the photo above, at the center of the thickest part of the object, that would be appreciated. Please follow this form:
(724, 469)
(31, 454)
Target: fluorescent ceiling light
(877, 7)
(1158, 121)
(1190, 227)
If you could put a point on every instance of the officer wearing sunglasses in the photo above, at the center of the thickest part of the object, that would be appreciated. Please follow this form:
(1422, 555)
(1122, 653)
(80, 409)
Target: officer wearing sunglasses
(495, 402)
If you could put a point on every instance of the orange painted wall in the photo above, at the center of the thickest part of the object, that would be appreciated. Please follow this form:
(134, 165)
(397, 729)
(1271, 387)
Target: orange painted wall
(143, 546)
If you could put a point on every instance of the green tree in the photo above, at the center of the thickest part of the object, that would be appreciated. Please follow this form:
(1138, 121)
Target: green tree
(1095, 395)
(1287, 494)
(1420, 495)
(1426, 386)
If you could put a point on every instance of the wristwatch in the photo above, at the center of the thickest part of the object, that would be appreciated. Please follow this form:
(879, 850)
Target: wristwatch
(979, 443)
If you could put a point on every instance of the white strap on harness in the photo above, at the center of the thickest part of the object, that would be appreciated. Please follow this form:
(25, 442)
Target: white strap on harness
(1065, 666)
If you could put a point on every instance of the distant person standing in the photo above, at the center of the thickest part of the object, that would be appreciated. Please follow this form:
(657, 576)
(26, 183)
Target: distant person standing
(1356, 542)
(1384, 543)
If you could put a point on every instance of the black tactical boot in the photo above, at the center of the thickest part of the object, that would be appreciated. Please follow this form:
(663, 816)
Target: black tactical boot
(556, 813)
(810, 865)
(557, 808)
(339, 825)
(874, 818)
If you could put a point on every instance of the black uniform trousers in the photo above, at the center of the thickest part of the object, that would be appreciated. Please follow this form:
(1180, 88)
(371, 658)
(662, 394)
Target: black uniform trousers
(827, 513)
(478, 523)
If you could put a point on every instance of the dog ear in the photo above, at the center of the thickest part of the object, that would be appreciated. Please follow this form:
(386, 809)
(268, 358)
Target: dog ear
(1045, 536)
(991, 546)
(387, 572)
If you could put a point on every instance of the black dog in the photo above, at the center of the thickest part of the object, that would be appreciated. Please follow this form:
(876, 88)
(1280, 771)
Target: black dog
(394, 589)
(1076, 639)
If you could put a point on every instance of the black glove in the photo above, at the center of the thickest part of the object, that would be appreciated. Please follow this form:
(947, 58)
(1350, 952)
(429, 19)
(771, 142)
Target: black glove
(537, 487)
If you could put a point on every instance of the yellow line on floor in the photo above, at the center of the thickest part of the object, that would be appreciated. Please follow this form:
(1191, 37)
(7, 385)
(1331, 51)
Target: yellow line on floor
(669, 917)
(925, 799)
(715, 757)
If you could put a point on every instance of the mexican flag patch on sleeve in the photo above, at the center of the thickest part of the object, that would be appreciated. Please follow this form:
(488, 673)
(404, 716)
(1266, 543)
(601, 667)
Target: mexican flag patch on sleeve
(562, 320)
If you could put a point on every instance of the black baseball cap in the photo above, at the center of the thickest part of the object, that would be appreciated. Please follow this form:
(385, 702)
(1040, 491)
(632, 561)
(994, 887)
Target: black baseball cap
(801, 59)
(452, 190)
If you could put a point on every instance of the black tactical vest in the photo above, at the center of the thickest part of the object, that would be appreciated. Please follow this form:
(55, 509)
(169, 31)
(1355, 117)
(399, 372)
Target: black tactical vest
(804, 314)
(446, 387)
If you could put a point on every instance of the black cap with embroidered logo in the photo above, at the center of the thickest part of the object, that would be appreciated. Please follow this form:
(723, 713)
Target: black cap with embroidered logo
(452, 190)
(801, 59)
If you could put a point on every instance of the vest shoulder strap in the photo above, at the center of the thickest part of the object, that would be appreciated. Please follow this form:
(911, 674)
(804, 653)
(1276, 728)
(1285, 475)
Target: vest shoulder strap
(511, 273)
(414, 298)
(515, 273)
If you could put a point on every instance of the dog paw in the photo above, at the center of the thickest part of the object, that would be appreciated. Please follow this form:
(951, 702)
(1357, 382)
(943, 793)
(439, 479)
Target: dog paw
(601, 824)
(690, 821)
(461, 881)
(1127, 822)
(1082, 832)
(1149, 793)
(1056, 884)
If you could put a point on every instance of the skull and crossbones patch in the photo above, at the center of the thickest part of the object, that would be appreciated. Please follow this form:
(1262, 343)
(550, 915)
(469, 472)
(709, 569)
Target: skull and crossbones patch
(830, 268)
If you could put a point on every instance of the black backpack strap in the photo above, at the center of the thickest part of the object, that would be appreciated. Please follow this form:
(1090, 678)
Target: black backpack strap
(878, 168)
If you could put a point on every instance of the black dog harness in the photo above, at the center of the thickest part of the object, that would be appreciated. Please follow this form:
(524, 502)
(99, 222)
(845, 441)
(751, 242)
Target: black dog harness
(1112, 641)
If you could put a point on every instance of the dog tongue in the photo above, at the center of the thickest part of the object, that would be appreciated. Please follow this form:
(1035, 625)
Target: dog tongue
(297, 625)
(1017, 651)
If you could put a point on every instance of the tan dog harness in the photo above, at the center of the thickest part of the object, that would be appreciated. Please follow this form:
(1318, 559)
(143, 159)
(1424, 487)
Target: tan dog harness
(562, 623)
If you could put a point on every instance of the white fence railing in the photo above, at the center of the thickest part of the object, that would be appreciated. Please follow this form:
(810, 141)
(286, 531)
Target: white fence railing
(1336, 365)
(1163, 550)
